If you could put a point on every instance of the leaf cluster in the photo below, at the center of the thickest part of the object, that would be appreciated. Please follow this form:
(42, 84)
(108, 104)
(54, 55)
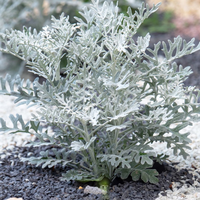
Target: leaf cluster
(117, 97)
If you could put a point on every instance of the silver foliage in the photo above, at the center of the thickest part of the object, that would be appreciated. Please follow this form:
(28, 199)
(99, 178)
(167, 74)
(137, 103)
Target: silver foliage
(115, 99)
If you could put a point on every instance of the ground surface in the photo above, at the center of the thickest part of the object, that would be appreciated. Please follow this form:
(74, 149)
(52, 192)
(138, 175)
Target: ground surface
(20, 180)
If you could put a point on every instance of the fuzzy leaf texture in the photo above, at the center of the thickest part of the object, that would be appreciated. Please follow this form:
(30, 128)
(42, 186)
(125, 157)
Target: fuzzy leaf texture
(115, 99)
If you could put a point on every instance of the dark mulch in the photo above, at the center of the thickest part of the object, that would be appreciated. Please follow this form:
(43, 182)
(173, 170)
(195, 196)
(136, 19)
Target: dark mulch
(22, 180)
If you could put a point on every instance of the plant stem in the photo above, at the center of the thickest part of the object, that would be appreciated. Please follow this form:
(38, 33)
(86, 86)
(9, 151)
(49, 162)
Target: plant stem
(104, 185)
(90, 149)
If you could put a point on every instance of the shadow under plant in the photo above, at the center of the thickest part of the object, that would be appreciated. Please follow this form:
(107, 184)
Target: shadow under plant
(31, 182)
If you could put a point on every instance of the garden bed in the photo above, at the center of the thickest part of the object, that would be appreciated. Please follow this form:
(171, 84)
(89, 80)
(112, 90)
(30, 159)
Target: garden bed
(177, 179)
(28, 182)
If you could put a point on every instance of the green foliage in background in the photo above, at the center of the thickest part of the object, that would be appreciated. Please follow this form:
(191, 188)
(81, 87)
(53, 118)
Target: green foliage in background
(158, 23)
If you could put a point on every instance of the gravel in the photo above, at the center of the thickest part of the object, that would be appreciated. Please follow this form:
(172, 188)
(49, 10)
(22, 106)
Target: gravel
(28, 182)
(178, 178)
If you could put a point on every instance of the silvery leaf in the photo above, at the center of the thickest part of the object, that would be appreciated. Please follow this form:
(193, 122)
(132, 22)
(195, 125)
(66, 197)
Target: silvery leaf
(79, 146)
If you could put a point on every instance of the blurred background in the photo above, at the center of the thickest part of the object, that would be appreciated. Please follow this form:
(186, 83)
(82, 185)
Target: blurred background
(175, 17)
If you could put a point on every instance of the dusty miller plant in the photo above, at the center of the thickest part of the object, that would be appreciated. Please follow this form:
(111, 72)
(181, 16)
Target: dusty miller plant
(115, 99)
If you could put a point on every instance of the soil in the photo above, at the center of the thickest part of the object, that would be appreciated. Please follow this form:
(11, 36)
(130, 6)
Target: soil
(22, 180)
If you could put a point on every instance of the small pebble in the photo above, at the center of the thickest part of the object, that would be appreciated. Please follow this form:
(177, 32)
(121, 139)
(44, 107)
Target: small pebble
(92, 190)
